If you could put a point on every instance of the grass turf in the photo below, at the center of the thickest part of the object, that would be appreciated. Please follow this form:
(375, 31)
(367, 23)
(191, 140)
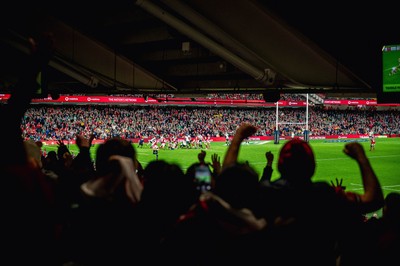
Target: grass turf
(331, 162)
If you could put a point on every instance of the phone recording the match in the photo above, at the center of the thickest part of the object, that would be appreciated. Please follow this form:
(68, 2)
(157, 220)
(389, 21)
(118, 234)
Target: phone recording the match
(203, 178)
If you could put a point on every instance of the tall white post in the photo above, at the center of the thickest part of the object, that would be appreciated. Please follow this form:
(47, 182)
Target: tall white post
(307, 113)
(276, 126)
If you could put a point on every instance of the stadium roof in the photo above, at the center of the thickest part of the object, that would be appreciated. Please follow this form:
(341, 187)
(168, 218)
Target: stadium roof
(203, 46)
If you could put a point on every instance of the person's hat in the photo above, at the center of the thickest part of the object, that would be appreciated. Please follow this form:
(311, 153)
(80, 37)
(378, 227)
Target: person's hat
(296, 160)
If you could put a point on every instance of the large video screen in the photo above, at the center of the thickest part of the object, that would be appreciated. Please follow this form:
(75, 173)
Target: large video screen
(391, 68)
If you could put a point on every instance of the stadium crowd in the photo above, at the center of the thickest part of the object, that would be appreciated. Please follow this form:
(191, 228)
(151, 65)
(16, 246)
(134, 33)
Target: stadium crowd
(52, 122)
(60, 210)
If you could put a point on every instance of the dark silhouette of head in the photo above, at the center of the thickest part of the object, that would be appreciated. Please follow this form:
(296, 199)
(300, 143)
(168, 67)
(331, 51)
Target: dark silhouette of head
(237, 185)
(296, 161)
(113, 146)
(167, 189)
(391, 209)
(62, 152)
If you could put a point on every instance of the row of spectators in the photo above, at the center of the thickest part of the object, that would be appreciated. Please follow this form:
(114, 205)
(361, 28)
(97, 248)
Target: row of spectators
(64, 122)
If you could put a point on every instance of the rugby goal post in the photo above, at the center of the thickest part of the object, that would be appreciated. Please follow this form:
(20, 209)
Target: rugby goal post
(277, 123)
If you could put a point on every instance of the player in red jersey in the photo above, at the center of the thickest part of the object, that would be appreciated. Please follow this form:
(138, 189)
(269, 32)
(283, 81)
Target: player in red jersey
(372, 143)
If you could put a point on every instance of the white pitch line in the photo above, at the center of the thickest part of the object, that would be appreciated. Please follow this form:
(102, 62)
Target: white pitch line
(346, 158)
(383, 187)
(391, 186)
(355, 184)
(397, 190)
(333, 159)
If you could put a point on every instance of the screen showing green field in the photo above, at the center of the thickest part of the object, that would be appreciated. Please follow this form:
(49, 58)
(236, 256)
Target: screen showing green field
(391, 68)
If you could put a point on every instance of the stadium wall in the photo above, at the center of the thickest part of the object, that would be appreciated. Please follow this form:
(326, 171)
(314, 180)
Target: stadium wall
(121, 100)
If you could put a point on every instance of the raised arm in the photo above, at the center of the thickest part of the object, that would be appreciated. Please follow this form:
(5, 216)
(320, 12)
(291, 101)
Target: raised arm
(373, 198)
(245, 130)
(13, 111)
(267, 173)
(83, 162)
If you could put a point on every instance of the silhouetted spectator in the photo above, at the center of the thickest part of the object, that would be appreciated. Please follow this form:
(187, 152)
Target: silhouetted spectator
(168, 193)
(379, 241)
(307, 220)
(29, 218)
(104, 224)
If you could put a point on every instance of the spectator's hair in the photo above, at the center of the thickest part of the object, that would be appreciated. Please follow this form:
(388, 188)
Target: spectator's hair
(52, 155)
(167, 187)
(392, 206)
(113, 146)
(237, 185)
(61, 151)
(296, 161)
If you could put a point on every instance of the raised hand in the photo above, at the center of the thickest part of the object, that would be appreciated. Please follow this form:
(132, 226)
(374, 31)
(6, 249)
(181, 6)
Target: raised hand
(338, 186)
(245, 130)
(216, 163)
(84, 142)
(354, 150)
(270, 157)
(42, 48)
(60, 143)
